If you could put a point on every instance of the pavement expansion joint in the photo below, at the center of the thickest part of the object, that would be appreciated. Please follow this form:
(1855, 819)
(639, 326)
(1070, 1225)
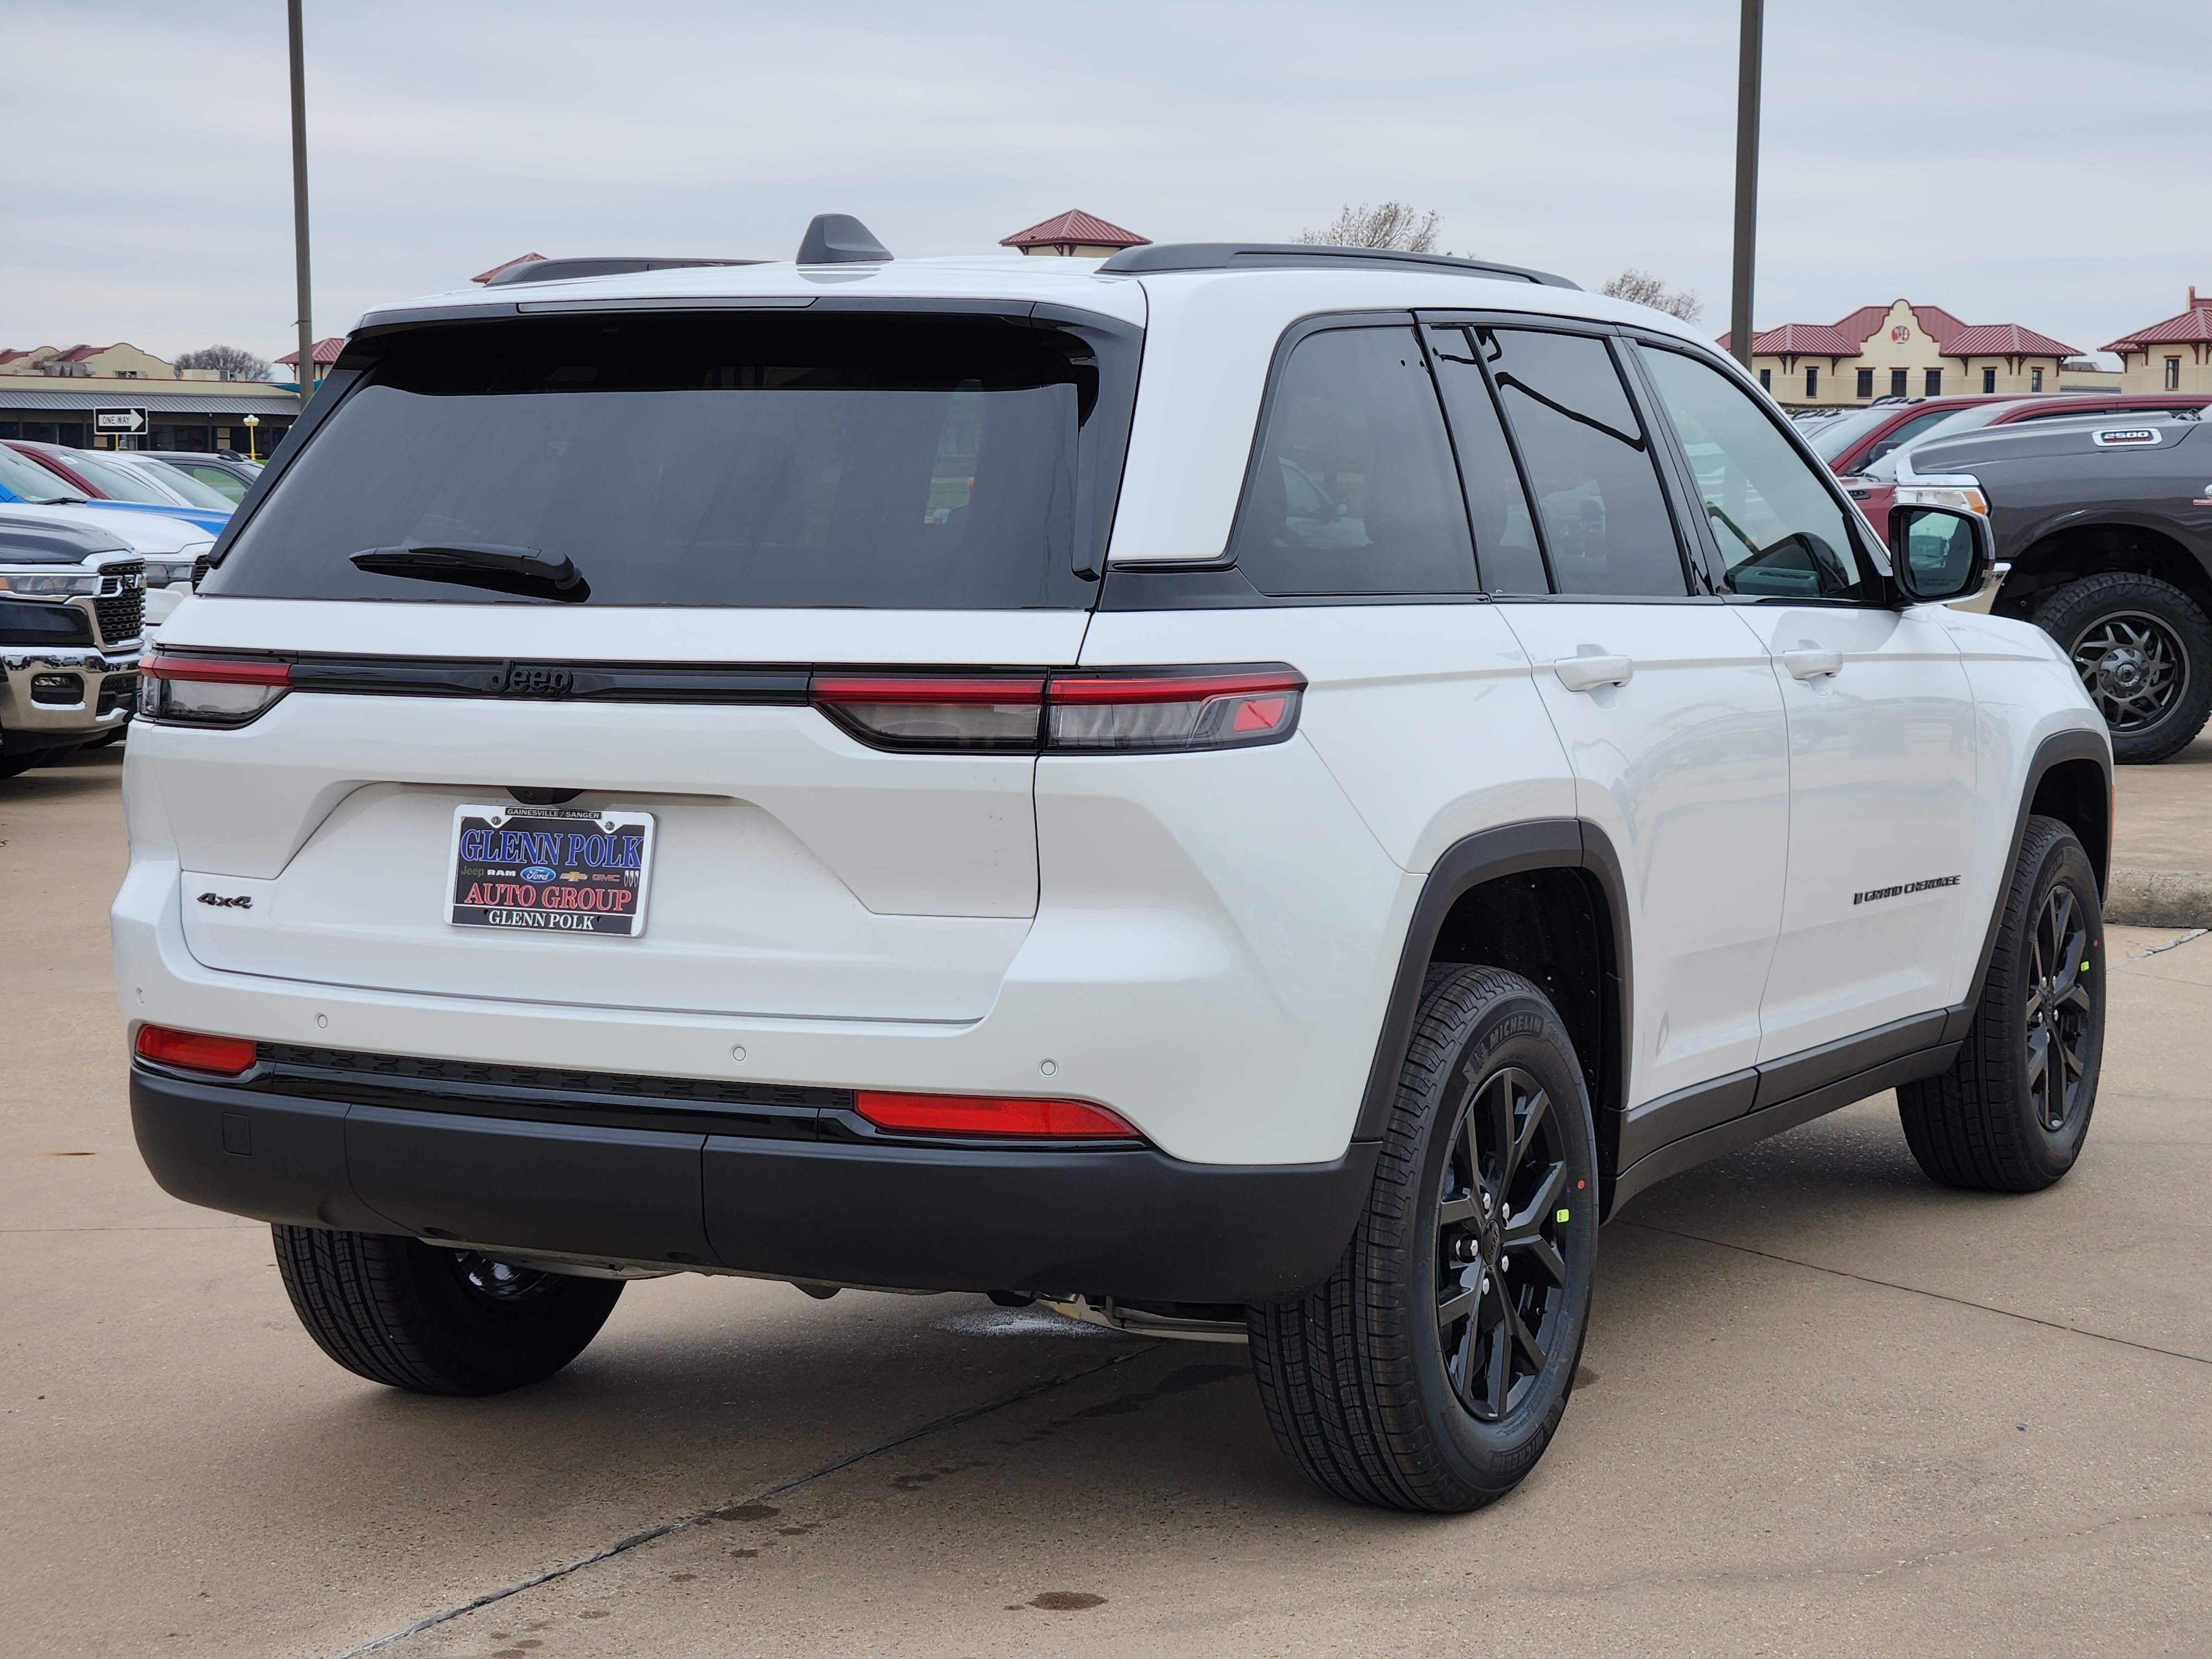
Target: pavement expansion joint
(1915, 1289)
(623, 1545)
(2171, 944)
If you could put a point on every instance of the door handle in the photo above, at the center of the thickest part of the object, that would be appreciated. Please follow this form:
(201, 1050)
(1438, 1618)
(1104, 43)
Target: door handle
(1587, 673)
(1810, 662)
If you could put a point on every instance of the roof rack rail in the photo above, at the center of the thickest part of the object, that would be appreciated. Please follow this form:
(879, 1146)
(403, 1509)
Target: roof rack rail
(1265, 256)
(609, 264)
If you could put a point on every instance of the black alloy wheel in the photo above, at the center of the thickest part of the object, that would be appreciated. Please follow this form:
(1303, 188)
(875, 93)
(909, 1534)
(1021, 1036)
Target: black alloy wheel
(2134, 668)
(1501, 1248)
(1432, 1369)
(2061, 1013)
(2012, 1113)
(2142, 649)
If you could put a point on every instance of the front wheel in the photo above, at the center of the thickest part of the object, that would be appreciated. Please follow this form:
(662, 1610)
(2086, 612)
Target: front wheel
(2011, 1114)
(1432, 1369)
(431, 1321)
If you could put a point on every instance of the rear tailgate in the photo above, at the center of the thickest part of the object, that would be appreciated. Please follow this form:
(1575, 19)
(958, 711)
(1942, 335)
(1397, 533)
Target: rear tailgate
(794, 870)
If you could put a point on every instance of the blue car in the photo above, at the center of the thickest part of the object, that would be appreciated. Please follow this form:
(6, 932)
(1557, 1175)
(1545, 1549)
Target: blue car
(29, 475)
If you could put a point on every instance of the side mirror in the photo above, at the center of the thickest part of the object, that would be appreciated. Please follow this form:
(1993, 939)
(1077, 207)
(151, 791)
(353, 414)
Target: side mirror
(1938, 553)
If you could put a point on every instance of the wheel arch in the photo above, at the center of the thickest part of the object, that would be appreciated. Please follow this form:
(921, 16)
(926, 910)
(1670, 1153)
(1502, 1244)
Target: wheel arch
(2069, 777)
(1545, 899)
(2068, 552)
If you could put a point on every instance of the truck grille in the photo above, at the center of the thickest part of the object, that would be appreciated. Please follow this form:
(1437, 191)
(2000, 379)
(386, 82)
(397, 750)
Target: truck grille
(199, 569)
(117, 691)
(122, 614)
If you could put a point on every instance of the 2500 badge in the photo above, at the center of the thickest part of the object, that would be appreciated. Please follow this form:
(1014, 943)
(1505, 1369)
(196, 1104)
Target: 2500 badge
(553, 870)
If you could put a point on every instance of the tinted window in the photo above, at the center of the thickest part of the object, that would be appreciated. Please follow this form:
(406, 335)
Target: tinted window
(1779, 530)
(1352, 490)
(1505, 549)
(25, 480)
(1904, 433)
(834, 459)
(118, 483)
(1590, 468)
(230, 486)
(1834, 438)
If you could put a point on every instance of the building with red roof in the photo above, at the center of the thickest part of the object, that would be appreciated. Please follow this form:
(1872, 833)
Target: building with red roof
(119, 361)
(326, 353)
(506, 264)
(1899, 350)
(1083, 235)
(2173, 356)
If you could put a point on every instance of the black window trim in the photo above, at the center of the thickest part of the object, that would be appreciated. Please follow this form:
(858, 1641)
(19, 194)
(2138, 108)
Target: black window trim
(1879, 594)
(1217, 583)
(1698, 586)
(1106, 334)
(1139, 585)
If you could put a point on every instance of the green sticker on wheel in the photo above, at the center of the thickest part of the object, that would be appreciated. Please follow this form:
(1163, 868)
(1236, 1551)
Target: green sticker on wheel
(1560, 1217)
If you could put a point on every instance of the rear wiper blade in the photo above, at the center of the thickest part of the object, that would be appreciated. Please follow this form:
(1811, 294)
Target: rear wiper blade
(523, 570)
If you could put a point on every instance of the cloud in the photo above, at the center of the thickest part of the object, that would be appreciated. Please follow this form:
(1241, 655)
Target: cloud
(1977, 156)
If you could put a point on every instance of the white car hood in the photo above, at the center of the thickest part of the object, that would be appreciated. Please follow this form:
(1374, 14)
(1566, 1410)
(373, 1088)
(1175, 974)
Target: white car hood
(141, 532)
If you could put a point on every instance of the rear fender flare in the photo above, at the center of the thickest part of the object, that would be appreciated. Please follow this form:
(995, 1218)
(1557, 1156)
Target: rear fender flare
(1508, 850)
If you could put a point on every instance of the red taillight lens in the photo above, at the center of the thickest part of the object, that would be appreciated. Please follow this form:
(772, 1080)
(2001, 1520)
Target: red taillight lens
(208, 691)
(195, 1050)
(1155, 709)
(935, 712)
(991, 1114)
(1017, 711)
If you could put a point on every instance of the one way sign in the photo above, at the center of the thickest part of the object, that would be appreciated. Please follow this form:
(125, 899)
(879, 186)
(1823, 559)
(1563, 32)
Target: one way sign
(127, 421)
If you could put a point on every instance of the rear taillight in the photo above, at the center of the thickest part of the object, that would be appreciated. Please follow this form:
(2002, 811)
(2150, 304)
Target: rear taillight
(1154, 710)
(1139, 710)
(195, 1050)
(935, 712)
(208, 691)
(991, 1114)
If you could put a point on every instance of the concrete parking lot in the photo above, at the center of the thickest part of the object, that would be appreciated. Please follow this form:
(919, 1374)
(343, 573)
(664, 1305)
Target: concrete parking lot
(1826, 1407)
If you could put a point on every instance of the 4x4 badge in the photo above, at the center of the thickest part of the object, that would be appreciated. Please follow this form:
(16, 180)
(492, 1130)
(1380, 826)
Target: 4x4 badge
(237, 902)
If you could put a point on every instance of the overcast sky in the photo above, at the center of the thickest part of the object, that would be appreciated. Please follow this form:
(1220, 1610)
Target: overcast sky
(2012, 160)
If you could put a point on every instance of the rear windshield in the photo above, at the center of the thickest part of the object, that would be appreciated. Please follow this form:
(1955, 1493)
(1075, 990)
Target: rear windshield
(831, 460)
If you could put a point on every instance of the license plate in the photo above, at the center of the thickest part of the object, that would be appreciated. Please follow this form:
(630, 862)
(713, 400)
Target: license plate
(551, 869)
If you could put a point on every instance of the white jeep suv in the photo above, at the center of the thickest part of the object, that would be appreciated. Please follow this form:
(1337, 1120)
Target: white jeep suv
(1237, 788)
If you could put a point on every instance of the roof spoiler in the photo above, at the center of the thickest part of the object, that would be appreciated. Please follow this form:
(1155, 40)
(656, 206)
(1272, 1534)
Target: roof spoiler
(612, 264)
(1275, 256)
(839, 239)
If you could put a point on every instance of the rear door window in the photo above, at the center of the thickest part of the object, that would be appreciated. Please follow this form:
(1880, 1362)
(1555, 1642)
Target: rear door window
(908, 461)
(1590, 465)
(1352, 489)
(1505, 546)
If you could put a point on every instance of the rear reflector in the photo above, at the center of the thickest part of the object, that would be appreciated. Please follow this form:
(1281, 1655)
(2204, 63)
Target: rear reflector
(208, 691)
(195, 1050)
(1025, 712)
(991, 1114)
(935, 712)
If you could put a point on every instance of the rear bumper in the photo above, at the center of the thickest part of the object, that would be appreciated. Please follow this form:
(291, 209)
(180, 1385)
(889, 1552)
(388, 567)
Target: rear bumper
(1133, 1224)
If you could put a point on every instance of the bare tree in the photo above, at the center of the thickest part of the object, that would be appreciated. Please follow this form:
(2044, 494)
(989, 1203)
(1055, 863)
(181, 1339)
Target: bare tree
(233, 362)
(1388, 224)
(1641, 288)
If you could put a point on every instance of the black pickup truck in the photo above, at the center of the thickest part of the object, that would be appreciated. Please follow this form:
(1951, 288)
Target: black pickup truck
(2106, 523)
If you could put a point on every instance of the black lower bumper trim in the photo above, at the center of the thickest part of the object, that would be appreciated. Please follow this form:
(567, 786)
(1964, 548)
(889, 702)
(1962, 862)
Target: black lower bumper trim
(1127, 1223)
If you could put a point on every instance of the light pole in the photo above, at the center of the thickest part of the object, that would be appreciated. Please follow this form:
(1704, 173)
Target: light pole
(1746, 180)
(252, 422)
(300, 205)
